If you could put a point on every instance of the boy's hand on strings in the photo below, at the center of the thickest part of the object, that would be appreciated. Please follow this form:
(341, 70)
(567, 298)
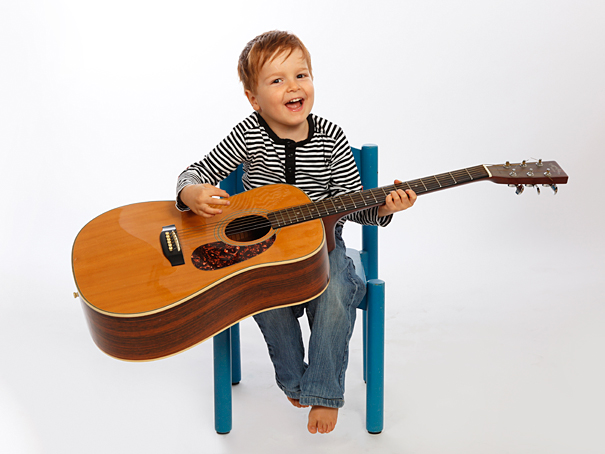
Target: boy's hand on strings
(398, 200)
(203, 199)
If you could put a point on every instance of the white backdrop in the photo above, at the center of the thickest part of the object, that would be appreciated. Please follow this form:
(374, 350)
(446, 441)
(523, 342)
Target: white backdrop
(495, 303)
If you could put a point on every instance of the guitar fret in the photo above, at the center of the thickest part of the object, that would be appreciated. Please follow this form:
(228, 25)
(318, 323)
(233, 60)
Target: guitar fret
(283, 221)
(333, 204)
(447, 180)
(298, 212)
(323, 204)
(342, 206)
(361, 199)
(288, 214)
(369, 195)
(292, 215)
(312, 211)
(272, 220)
(479, 171)
(352, 200)
(321, 208)
(408, 185)
(429, 185)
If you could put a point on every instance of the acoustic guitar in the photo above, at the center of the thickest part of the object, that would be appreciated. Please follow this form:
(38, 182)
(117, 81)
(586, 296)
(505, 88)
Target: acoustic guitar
(154, 281)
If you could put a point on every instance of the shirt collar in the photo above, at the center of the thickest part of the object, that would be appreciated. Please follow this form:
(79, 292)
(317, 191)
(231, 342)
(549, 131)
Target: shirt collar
(281, 141)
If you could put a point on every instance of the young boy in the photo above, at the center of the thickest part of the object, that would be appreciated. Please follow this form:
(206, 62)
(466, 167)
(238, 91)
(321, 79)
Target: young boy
(282, 142)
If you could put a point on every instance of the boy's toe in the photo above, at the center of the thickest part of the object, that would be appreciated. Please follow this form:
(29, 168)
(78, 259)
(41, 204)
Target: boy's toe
(312, 427)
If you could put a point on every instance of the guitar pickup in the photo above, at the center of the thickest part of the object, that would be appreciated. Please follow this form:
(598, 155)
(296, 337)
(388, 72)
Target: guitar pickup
(171, 246)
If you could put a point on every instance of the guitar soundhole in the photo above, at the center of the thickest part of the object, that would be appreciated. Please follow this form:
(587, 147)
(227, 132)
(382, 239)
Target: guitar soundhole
(248, 228)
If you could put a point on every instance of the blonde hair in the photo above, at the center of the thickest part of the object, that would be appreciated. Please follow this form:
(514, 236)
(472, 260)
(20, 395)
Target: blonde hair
(265, 48)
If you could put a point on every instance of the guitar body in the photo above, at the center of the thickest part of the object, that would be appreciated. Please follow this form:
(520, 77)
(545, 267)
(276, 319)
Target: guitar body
(140, 306)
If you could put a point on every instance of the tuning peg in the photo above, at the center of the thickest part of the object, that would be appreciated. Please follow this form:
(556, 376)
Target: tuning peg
(554, 188)
(520, 189)
(538, 189)
(539, 164)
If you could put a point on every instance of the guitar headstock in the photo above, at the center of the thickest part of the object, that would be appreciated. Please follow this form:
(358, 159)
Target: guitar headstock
(531, 174)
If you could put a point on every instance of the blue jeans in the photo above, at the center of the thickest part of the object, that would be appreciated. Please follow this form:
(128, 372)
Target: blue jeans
(331, 319)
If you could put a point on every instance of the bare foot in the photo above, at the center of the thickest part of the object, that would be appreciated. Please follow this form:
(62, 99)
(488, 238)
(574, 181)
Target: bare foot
(322, 419)
(296, 403)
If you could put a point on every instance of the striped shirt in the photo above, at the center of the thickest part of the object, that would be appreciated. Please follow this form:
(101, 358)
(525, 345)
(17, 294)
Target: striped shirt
(324, 163)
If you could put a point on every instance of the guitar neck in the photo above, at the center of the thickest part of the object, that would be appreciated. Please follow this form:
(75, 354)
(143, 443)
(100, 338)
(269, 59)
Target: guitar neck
(369, 198)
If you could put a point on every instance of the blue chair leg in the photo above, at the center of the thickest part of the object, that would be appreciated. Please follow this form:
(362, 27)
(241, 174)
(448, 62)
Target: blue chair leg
(364, 256)
(236, 358)
(375, 359)
(222, 382)
(364, 336)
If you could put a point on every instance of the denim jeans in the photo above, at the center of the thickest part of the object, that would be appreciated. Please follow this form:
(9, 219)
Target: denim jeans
(331, 319)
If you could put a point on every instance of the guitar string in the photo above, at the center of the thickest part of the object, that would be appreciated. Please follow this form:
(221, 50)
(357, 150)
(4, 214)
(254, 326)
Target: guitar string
(254, 224)
(356, 199)
(297, 212)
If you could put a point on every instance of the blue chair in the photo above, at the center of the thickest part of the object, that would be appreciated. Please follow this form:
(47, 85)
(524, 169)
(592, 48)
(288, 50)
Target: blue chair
(227, 359)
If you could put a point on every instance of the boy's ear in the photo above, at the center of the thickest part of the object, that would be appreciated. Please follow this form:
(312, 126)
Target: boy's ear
(252, 100)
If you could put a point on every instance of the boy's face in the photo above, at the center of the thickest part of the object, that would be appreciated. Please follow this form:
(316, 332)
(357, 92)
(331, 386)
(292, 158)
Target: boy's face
(284, 95)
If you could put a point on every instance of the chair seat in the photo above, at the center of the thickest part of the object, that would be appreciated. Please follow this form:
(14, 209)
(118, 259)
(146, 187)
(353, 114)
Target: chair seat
(355, 255)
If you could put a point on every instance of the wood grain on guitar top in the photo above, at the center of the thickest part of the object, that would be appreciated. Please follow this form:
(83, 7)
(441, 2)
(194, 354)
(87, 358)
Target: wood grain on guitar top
(139, 306)
(120, 270)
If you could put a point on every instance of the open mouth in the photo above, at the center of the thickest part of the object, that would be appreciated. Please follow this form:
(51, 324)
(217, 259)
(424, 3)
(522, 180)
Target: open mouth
(295, 104)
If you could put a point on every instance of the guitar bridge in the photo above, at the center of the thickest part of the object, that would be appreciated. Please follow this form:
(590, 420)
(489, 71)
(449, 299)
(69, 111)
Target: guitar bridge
(171, 246)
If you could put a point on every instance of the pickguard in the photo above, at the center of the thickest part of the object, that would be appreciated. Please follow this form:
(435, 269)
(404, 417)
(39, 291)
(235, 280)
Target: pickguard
(217, 255)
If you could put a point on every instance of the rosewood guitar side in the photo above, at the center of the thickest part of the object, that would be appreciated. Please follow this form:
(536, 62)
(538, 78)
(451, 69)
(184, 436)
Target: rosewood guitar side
(185, 325)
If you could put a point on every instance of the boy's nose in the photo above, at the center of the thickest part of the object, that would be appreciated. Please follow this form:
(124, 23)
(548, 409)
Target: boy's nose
(293, 85)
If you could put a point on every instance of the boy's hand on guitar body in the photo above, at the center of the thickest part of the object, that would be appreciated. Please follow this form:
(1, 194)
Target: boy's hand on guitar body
(398, 200)
(203, 199)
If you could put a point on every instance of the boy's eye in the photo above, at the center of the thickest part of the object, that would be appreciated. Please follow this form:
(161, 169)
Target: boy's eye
(276, 81)
(301, 76)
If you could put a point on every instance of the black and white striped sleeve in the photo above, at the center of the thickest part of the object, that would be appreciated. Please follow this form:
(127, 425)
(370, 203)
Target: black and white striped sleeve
(217, 164)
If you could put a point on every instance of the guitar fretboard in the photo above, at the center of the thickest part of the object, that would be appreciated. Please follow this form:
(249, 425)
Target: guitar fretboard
(372, 197)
